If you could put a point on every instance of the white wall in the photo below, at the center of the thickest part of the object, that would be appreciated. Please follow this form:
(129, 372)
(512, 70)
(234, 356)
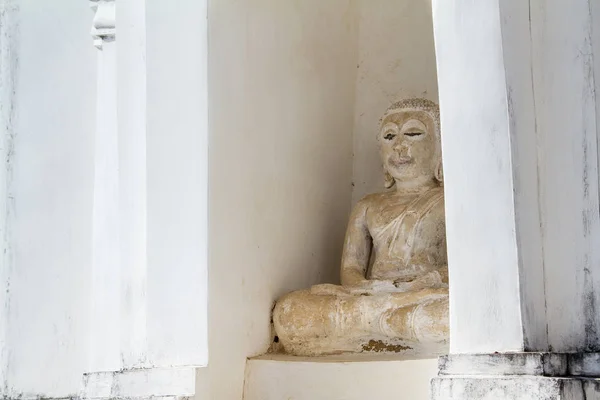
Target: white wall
(281, 95)
(396, 60)
(50, 181)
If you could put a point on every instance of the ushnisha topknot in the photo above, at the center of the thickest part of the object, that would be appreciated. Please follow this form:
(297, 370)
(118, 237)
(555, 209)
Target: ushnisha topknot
(418, 104)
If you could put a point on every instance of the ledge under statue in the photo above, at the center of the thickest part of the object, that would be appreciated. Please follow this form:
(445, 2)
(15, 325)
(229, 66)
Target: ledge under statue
(394, 275)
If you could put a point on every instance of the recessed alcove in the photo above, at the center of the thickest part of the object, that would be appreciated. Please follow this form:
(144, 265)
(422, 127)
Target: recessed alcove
(296, 92)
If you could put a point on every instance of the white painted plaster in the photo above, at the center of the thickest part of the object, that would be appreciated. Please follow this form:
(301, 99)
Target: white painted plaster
(105, 334)
(282, 78)
(396, 61)
(321, 379)
(140, 383)
(8, 76)
(132, 181)
(564, 85)
(523, 135)
(480, 208)
(177, 162)
(52, 95)
(520, 143)
(50, 176)
(157, 188)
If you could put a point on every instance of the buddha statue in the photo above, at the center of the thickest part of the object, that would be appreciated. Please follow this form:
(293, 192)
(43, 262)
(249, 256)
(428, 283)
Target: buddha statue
(394, 277)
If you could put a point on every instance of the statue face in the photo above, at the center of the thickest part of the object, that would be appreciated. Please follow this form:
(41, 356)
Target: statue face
(408, 145)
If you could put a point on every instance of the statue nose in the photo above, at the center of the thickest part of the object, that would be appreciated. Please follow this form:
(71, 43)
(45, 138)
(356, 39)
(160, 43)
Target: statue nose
(401, 147)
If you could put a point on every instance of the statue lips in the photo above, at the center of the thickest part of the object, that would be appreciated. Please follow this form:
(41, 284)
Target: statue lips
(400, 161)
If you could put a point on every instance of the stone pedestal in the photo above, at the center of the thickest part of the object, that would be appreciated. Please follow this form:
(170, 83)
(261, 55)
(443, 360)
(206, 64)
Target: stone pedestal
(523, 376)
(349, 377)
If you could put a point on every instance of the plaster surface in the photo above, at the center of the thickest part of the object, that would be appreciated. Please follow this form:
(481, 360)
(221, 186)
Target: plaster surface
(49, 183)
(281, 114)
(324, 378)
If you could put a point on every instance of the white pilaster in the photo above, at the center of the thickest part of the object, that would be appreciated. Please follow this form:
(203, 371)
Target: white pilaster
(518, 109)
(520, 144)
(481, 210)
(105, 325)
(564, 83)
(131, 66)
(177, 160)
(8, 66)
(150, 294)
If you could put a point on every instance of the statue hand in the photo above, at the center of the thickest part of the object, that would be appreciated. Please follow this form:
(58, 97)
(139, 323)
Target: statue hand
(430, 280)
(379, 286)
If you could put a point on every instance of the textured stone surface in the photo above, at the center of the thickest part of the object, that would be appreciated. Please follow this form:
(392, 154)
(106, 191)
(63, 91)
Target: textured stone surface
(523, 376)
(535, 364)
(509, 388)
(584, 364)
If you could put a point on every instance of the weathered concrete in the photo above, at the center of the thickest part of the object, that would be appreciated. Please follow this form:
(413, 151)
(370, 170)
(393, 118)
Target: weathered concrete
(534, 364)
(523, 376)
(510, 387)
(584, 364)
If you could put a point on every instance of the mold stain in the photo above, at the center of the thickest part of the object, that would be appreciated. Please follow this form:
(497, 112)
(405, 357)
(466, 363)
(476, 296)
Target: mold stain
(378, 346)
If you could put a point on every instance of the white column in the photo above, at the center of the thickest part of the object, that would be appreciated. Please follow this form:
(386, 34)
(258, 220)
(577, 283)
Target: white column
(482, 178)
(566, 102)
(520, 138)
(8, 22)
(150, 214)
(521, 168)
(177, 140)
(131, 18)
(106, 283)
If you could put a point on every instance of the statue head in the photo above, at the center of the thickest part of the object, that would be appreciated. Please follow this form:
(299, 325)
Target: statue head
(409, 141)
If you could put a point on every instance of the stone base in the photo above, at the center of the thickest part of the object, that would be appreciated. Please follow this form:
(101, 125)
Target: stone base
(522, 376)
(510, 388)
(375, 377)
(139, 384)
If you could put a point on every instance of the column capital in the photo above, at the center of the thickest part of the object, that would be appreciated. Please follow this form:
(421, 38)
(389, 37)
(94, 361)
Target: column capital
(103, 25)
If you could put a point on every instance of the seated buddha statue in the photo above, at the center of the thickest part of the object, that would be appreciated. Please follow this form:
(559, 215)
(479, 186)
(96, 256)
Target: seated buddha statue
(394, 277)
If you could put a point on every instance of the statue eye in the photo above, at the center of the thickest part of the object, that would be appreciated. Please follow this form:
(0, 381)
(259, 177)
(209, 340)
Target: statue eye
(411, 134)
(389, 136)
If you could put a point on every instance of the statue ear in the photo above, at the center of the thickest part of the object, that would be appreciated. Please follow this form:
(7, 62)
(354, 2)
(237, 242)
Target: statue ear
(439, 172)
(388, 180)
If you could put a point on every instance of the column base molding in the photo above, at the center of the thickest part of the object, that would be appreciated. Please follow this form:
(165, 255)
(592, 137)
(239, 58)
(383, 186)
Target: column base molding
(155, 383)
(523, 376)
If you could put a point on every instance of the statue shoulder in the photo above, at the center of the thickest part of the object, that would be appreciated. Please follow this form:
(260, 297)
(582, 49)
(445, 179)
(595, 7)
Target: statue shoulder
(373, 199)
(367, 202)
(437, 206)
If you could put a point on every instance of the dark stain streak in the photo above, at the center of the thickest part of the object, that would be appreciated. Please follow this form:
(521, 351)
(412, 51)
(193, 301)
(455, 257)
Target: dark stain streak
(587, 222)
(586, 179)
(589, 308)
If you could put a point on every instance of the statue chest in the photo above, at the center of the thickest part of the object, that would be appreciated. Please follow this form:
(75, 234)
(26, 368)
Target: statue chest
(405, 237)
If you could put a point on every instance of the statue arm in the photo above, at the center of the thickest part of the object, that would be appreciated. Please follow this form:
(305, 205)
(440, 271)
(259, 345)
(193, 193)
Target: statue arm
(436, 228)
(357, 248)
(431, 280)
